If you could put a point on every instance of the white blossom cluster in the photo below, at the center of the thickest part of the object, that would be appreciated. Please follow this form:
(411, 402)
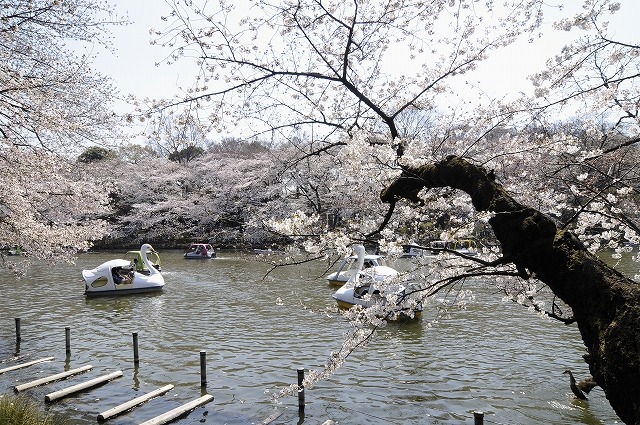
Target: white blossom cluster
(46, 207)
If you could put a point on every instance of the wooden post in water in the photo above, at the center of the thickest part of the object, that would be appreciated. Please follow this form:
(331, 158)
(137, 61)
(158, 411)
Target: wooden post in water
(478, 418)
(136, 357)
(300, 390)
(203, 368)
(18, 336)
(67, 337)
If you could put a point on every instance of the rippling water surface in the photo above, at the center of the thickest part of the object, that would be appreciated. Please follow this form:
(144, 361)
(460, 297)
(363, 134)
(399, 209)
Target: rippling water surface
(493, 357)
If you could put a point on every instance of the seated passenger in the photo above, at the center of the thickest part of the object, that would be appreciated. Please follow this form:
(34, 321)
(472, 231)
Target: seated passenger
(115, 272)
(361, 291)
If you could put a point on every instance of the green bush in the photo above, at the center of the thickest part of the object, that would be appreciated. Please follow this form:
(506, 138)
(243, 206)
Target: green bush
(20, 410)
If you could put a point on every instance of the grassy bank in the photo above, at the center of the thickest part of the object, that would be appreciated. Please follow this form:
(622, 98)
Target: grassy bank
(20, 410)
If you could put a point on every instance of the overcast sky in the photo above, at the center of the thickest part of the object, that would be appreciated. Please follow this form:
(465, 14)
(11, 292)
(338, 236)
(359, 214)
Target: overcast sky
(133, 65)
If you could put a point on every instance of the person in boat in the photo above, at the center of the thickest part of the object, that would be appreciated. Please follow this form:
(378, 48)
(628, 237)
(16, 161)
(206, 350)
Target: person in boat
(121, 276)
(117, 277)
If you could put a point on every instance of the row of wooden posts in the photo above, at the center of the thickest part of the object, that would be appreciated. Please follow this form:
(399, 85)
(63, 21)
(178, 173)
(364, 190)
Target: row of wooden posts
(162, 419)
(478, 417)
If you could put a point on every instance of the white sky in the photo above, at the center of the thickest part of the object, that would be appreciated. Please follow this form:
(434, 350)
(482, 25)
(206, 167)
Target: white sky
(133, 66)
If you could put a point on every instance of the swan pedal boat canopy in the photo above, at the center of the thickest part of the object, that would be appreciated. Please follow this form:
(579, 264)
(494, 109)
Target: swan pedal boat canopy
(124, 277)
(200, 251)
(16, 250)
(361, 289)
(374, 265)
(463, 246)
(410, 251)
(135, 258)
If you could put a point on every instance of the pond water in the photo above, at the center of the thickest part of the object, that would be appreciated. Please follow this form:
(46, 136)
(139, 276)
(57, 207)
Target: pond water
(493, 357)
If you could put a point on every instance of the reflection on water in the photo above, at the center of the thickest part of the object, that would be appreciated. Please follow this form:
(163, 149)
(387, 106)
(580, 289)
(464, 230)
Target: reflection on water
(492, 357)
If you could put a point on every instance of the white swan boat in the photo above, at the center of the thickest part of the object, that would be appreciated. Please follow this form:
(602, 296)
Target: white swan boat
(200, 251)
(122, 277)
(374, 265)
(364, 289)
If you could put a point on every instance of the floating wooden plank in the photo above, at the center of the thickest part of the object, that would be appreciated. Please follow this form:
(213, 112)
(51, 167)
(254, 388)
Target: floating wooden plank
(271, 418)
(133, 403)
(51, 378)
(79, 387)
(22, 365)
(178, 411)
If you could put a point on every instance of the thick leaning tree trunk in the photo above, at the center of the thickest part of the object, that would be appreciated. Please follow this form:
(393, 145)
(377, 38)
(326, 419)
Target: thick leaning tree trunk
(606, 305)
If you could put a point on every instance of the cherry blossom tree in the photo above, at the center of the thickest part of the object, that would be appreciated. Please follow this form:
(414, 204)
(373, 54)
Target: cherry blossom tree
(52, 105)
(597, 79)
(603, 302)
(51, 98)
(46, 206)
(215, 197)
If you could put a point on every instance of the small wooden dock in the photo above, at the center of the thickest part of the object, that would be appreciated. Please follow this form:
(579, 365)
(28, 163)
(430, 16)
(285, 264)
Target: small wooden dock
(101, 380)
(79, 382)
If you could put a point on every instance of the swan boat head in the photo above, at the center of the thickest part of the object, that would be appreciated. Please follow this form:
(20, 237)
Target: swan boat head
(373, 265)
(144, 250)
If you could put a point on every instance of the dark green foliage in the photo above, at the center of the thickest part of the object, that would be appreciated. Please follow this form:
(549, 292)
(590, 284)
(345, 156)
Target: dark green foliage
(187, 154)
(94, 154)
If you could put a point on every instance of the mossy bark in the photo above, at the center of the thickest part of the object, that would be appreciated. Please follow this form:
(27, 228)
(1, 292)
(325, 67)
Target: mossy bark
(606, 304)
